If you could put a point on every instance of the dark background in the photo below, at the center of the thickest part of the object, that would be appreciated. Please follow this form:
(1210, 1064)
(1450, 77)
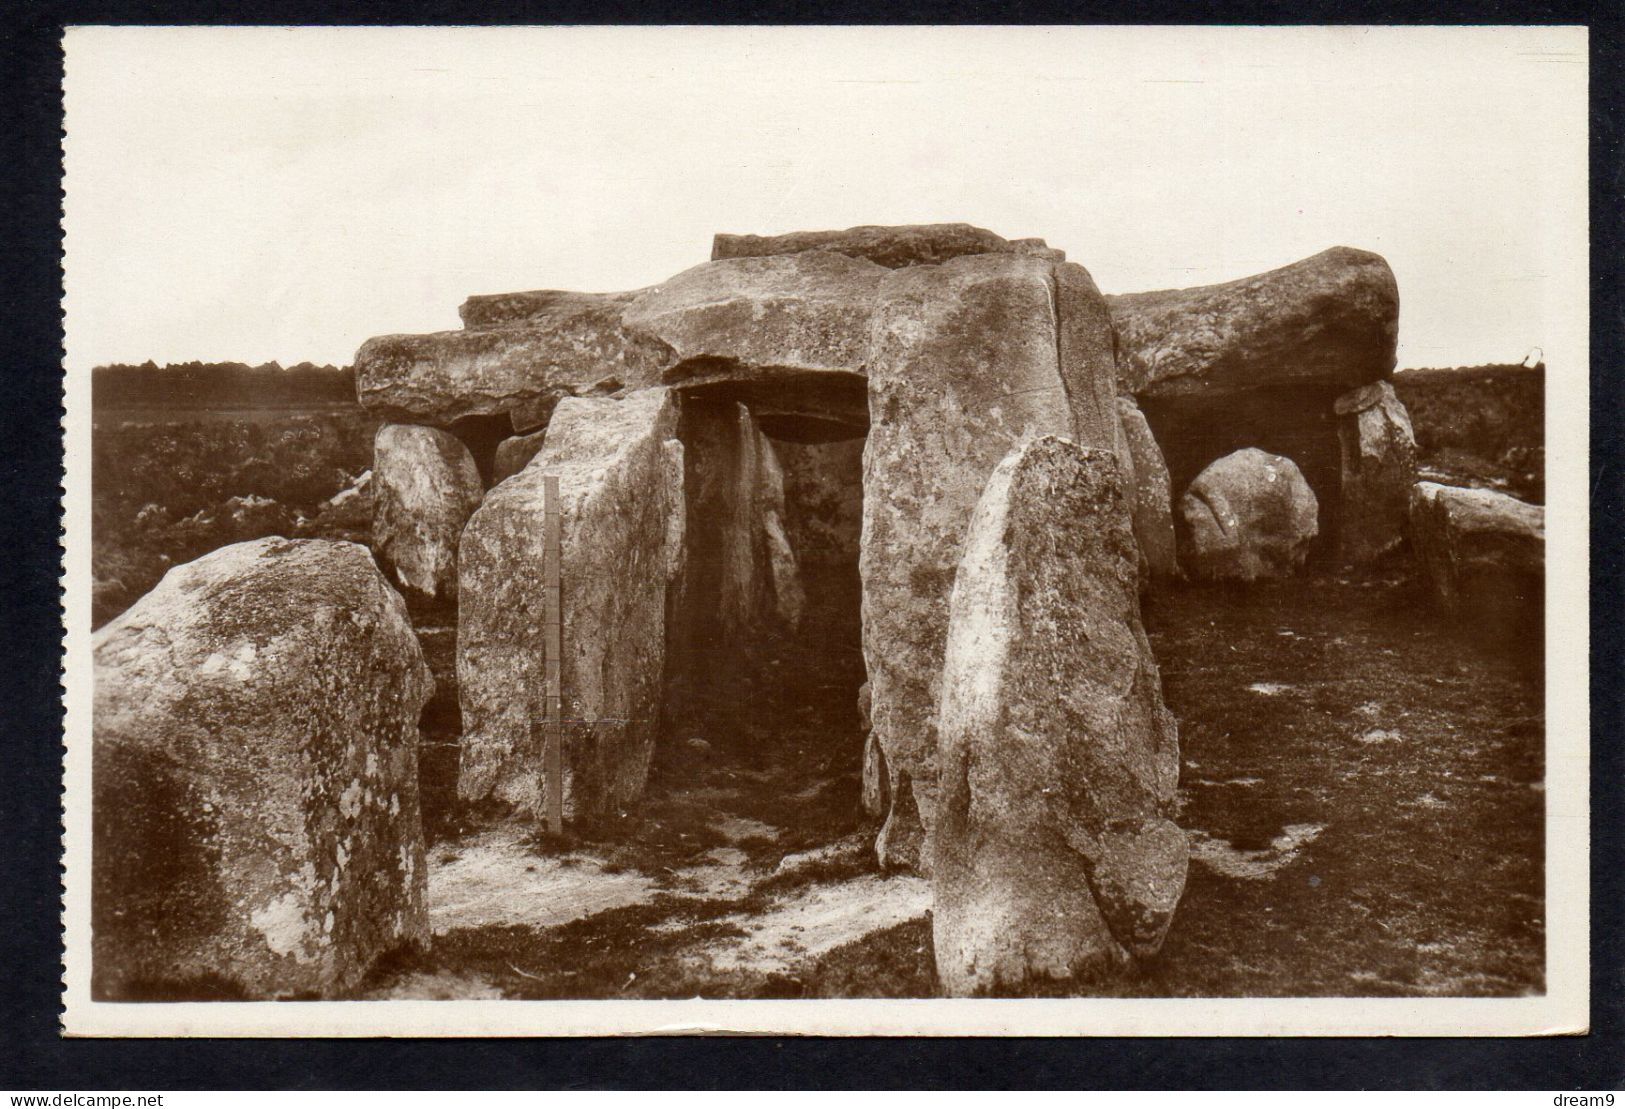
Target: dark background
(32, 1056)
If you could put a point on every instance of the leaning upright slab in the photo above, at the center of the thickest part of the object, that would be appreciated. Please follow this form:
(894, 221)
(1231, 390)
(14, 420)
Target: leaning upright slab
(967, 360)
(1054, 854)
(620, 477)
(424, 487)
(256, 777)
(1150, 496)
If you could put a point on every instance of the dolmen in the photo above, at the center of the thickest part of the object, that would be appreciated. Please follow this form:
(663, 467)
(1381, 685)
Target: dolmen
(999, 449)
(944, 350)
(1055, 858)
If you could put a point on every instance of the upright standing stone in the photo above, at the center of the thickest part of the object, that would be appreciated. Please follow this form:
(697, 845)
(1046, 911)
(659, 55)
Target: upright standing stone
(256, 827)
(1054, 854)
(1149, 490)
(967, 360)
(425, 486)
(620, 481)
(1379, 469)
(1085, 354)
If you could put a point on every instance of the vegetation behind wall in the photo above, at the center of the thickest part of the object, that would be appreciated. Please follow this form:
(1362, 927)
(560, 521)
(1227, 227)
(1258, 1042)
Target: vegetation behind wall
(1481, 426)
(189, 458)
(220, 385)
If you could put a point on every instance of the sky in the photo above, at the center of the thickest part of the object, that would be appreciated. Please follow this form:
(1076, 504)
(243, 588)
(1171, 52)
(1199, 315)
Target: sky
(256, 194)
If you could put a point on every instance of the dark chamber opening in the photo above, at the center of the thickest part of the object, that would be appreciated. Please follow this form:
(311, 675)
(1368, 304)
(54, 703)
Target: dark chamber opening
(763, 692)
(1293, 421)
(482, 435)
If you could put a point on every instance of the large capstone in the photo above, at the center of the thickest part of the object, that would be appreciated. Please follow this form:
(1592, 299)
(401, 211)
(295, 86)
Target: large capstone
(1147, 485)
(769, 330)
(1054, 854)
(1330, 321)
(924, 244)
(620, 473)
(425, 487)
(256, 828)
(1482, 553)
(786, 335)
(968, 359)
(1379, 469)
(570, 314)
(1249, 515)
(506, 364)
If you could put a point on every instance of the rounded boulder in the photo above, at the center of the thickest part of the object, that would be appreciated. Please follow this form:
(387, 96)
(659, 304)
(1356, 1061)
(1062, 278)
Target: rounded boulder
(256, 828)
(1248, 515)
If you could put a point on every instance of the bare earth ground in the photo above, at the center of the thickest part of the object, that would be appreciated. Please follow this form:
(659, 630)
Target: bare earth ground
(1362, 784)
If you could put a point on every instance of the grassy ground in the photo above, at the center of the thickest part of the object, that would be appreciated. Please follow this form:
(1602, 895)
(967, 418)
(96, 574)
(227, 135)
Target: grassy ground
(1409, 757)
(1480, 426)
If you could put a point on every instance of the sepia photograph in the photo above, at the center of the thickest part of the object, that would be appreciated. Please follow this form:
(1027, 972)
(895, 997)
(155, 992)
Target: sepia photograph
(833, 530)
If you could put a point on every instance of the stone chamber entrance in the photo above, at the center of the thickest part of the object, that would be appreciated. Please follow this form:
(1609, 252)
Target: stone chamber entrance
(749, 857)
(1295, 422)
(764, 655)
